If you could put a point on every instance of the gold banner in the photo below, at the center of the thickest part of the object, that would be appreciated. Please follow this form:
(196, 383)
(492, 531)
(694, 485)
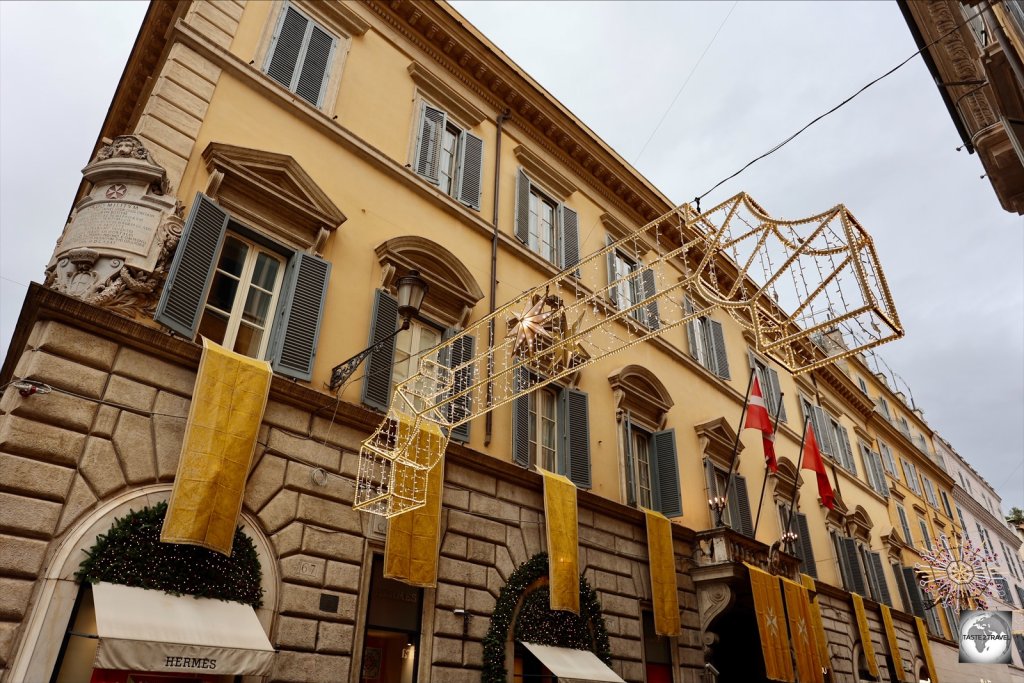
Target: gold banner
(798, 610)
(662, 565)
(770, 613)
(220, 437)
(926, 649)
(865, 634)
(819, 626)
(893, 643)
(563, 541)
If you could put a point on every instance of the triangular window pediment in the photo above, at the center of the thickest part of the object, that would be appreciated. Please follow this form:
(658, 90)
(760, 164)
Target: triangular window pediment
(272, 193)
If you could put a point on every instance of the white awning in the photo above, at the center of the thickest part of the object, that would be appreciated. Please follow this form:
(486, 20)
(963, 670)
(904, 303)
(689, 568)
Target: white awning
(573, 665)
(149, 630)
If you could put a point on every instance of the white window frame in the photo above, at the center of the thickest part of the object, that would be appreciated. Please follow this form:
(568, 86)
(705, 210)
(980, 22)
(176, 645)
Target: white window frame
(414, 334)
(629, 290)
(641, 452)
(544, 455)
(533, 242)
(241, 293)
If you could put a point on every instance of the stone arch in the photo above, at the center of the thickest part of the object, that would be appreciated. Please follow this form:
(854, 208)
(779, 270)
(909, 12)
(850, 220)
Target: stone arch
(56, 589)
(453, 289)
(786, 480)
(531, 578)
(639, 391)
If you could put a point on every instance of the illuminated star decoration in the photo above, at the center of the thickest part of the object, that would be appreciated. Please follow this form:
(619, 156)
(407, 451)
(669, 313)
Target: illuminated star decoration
(529, 327)
(956, 576)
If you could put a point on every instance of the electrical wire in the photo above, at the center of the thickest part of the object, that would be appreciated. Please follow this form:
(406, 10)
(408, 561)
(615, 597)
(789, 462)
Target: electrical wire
(836, 108)
(685, 82)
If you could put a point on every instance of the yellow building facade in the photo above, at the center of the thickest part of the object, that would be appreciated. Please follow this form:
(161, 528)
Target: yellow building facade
(291, 162)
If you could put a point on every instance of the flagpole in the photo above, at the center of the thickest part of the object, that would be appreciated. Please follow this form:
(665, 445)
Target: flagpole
(736, 444)
(796, 480)
(764, 484)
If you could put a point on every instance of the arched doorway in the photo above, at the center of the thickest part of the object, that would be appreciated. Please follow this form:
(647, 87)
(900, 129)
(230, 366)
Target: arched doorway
(57, 589)
(522, 615)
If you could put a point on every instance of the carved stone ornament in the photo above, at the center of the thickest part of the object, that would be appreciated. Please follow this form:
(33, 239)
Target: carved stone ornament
(117, 246)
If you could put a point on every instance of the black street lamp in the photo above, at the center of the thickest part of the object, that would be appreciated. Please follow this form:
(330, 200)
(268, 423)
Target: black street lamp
(718, 504)
(411, 290)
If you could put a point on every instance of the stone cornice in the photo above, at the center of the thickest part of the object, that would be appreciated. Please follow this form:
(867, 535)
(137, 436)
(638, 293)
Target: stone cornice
(446, 37)
(983, 515)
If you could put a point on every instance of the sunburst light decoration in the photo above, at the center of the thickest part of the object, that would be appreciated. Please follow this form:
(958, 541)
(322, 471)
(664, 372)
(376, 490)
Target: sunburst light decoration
(809, 292)
(957, 575)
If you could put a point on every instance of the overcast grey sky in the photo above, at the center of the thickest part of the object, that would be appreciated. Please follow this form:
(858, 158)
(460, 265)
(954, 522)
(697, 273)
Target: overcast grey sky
(954, 258)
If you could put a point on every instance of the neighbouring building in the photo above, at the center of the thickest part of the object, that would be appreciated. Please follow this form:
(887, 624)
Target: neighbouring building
(266, 174)
(980, 511)
(975, 52)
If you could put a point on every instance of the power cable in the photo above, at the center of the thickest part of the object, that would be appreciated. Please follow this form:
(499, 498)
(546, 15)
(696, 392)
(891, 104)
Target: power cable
(839, 106)
(685, 82)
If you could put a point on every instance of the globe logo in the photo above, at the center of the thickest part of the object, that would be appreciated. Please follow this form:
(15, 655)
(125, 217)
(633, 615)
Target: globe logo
(984, 637)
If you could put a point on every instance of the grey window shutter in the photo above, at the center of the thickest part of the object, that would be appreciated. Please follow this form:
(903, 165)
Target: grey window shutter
(692, 330)
(776, 392)
(665, 468)
(570, 226)
(809, 567)
(875, 561)
(718, 344)
(880, 474)
(312, 81)
(428, 145)
(1020, 595)
(710, 478)
(652, 319)
(377, 377)
(841, 439)
(522, 206)
(823, 432)
(739, 506)
(743, 504)
(286, 47)
(613, 291)
(577, 439)
(521, 421)
(460, 352)
(901, 586)
(297, 327)
(471, 170)
(630, 467)
(851, 554)
(188, 280)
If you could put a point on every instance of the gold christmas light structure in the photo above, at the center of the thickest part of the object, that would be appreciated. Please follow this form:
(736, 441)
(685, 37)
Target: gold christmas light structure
(810, 292)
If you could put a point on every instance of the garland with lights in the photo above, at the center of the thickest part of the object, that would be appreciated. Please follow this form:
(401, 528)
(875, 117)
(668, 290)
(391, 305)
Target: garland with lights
(131, 554)
(536, 623)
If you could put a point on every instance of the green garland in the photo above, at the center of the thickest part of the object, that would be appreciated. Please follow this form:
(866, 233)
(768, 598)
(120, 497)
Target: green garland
(536, 623)
(131, 554)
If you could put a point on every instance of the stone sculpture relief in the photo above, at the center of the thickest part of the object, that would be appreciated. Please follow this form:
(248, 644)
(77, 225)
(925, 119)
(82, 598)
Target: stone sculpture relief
(117, 246)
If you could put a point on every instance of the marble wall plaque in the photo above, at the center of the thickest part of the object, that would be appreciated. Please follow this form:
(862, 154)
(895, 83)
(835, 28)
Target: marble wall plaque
(121, 225)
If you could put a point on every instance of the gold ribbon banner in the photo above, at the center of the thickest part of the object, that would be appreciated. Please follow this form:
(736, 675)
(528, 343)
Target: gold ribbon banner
(770, 613)
(819, 626)
(662, 565)
(926, 649)
(893, 643)
(220, 437)
(563, 541)
(865, 634)
(413, 537)
(798, 610)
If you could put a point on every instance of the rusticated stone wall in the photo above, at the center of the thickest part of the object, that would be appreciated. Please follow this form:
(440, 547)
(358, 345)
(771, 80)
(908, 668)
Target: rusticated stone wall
(63, 453)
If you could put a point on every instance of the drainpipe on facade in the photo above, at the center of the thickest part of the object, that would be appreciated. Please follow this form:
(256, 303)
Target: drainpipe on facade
(489, 418)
